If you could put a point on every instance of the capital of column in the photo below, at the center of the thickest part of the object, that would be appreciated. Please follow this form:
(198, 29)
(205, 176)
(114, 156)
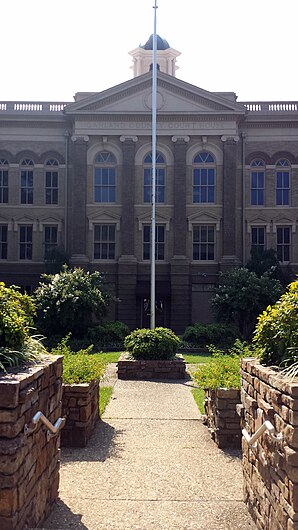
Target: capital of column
(230, 138)
(124, 138)
(184, 138)
(84, 138)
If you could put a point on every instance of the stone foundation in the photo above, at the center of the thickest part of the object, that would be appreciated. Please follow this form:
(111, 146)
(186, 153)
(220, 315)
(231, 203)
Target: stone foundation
(80, 407)
(29, 464)
(221, 417)
(271, 470)
(151, 370)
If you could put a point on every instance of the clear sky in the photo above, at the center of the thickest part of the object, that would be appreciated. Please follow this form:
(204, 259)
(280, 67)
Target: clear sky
(51, 49)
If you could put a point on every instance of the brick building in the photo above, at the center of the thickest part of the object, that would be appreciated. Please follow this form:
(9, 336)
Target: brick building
(77, 176)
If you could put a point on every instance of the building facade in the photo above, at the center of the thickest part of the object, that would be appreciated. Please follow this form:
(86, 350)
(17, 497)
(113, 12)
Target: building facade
(77, 177)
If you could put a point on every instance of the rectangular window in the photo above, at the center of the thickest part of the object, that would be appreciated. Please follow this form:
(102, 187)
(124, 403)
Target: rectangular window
(283, 240)
(26, 187)
(104, 241)
(159, 242)
(257, 188)
(159, 185)
(25, 234)
(258, 237)
(51, 188)
(203, 242)
(282, 188)
(3, 241)
(50, 241)
(3, 186)
(203, 185)
(105, 184)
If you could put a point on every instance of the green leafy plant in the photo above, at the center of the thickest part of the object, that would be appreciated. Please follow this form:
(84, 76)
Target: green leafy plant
(68, 301)
(216, 333)
(28, 353)
(221, 371)
(241, 296)
(108, 334)
(82, 368)
(16, 317)
(276, 333)
(160, 343)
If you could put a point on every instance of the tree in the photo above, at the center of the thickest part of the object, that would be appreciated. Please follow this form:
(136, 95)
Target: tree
(265, 260)
(70, 300)
(241, 295)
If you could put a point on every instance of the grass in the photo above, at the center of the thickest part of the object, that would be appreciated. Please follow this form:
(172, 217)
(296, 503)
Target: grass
(109, 357)
(105, 395)
(199, 396)
(196, 358)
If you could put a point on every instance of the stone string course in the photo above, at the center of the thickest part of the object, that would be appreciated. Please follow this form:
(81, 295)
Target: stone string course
(221, 417)
(270, 471)
(81, 409)
(29, 464)
(151, 370)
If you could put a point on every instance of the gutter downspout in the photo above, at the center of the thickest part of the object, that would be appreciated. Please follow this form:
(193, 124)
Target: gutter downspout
(67, 135)
(243, 201)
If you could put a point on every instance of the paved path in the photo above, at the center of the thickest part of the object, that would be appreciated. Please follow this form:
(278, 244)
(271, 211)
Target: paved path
(151, 465)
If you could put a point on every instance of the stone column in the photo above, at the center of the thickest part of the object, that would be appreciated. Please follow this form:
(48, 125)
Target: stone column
(230, 154)
(79, 197)
(127, 263)
(180, 274)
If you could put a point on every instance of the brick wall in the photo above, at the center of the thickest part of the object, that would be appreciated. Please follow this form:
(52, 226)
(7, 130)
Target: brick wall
(221, 416)
(81, 410)
(271, 470)
(156, 370)
(29, 464)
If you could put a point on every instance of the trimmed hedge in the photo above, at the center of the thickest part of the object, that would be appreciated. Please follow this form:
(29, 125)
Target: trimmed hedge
(149, 344)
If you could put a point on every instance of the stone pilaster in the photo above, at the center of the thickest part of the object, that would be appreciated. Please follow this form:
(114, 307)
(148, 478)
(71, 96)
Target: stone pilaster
(79, 185)
(180, 294)
(128, 194)
(230, 150)
(179, 218)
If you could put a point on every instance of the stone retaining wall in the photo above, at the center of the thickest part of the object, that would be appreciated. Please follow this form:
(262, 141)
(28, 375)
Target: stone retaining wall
(221, 417)
(80, 407)
(29, 464)
(270, 471)
(154, 370)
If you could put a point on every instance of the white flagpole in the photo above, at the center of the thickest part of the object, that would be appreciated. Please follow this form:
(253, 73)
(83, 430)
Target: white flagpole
(154, 89)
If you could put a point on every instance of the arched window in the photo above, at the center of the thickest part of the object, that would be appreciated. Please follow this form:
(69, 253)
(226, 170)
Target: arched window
(26, 174)
(4, 180)
(105, 177)
(283, 169)
(257, 182)
(51, 181)
(204, 169)
(159, 179)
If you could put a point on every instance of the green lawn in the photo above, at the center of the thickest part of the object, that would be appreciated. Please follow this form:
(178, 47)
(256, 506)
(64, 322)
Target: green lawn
(105, 395)
(110, 356)
(196, 358)
(199, 396)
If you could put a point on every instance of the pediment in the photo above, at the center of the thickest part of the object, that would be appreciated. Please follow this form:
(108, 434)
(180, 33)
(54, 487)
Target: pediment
(202, 217)
(173, 97)
(159, 219)
(105, 217)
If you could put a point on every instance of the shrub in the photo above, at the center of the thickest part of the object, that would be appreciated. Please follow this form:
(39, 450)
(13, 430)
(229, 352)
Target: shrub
(203, 334)
(241, 296)
(69, 300)
(16, 317)
(158, 343)
(276, 333)
(82, 368)
(108, 333)
(221, 371)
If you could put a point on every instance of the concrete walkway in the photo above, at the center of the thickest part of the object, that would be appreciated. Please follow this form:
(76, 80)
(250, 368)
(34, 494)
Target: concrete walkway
(150, 465)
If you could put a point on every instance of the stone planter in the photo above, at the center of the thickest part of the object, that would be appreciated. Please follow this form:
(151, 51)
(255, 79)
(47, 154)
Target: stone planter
(29, 463)
(270, 470)
(80, 407)
(151, 370)
(222, 418)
